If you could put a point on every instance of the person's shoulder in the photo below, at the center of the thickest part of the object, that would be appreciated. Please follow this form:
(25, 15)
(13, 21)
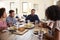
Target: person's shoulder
(58, 25)
(36, 15)
(58, 21)
(29, 15)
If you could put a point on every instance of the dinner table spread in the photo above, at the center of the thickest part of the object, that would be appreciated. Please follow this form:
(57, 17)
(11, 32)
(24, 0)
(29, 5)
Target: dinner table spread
(29, 35)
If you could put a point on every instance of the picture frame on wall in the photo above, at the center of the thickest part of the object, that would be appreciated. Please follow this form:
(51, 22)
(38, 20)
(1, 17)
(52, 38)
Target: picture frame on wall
(12, 5)
(24, 7)
(36, 6)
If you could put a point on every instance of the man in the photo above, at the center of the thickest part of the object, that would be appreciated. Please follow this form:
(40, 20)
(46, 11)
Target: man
(10, 19)
(32, 17)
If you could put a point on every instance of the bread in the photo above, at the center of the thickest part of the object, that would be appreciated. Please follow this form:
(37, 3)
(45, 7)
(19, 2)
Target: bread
(21, 29)
(28, 25)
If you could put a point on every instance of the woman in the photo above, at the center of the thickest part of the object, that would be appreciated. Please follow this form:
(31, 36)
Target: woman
(3, 15)
(3, 24)
(53, 14)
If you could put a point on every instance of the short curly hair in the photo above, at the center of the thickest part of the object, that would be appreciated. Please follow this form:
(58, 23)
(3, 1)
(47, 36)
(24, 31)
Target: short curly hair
(53, 13)
(2, 10)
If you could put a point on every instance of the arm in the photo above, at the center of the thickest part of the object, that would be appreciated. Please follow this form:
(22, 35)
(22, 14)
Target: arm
(57, 31)
(27, 18)
(57, 35)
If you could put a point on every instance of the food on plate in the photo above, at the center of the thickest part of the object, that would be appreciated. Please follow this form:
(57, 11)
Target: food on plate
(29, 25)
(13, 28)
(21, 29)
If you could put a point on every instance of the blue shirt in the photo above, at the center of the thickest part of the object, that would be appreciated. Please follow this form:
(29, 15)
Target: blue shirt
(32, 18)
(10, 19)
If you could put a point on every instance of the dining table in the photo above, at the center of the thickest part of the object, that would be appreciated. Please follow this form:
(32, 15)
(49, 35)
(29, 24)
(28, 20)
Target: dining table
(29, 35)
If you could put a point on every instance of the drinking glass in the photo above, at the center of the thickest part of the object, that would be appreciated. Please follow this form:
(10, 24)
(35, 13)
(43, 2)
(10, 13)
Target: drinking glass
(28, 21)
(36, 21)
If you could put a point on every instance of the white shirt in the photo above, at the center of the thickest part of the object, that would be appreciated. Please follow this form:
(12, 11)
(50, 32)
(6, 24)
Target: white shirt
(58, 25)
(50, 25)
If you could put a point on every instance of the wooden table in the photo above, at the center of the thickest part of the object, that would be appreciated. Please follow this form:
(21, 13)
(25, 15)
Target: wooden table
(6, 35)
(27, 36)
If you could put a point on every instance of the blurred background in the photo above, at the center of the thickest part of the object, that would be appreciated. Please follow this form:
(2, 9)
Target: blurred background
(23, 7)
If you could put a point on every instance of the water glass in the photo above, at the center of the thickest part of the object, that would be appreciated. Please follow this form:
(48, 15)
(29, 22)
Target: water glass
(36, 21)
(28, 21)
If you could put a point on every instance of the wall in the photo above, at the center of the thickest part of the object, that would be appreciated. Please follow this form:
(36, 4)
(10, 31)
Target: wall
(6, 4)
(58, 3)
(55, 2)
(42, 5)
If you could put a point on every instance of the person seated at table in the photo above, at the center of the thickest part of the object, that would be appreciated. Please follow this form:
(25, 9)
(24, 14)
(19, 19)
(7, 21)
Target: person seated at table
(3, 24)
(32, 17)
(53, 15)
(10, 19)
